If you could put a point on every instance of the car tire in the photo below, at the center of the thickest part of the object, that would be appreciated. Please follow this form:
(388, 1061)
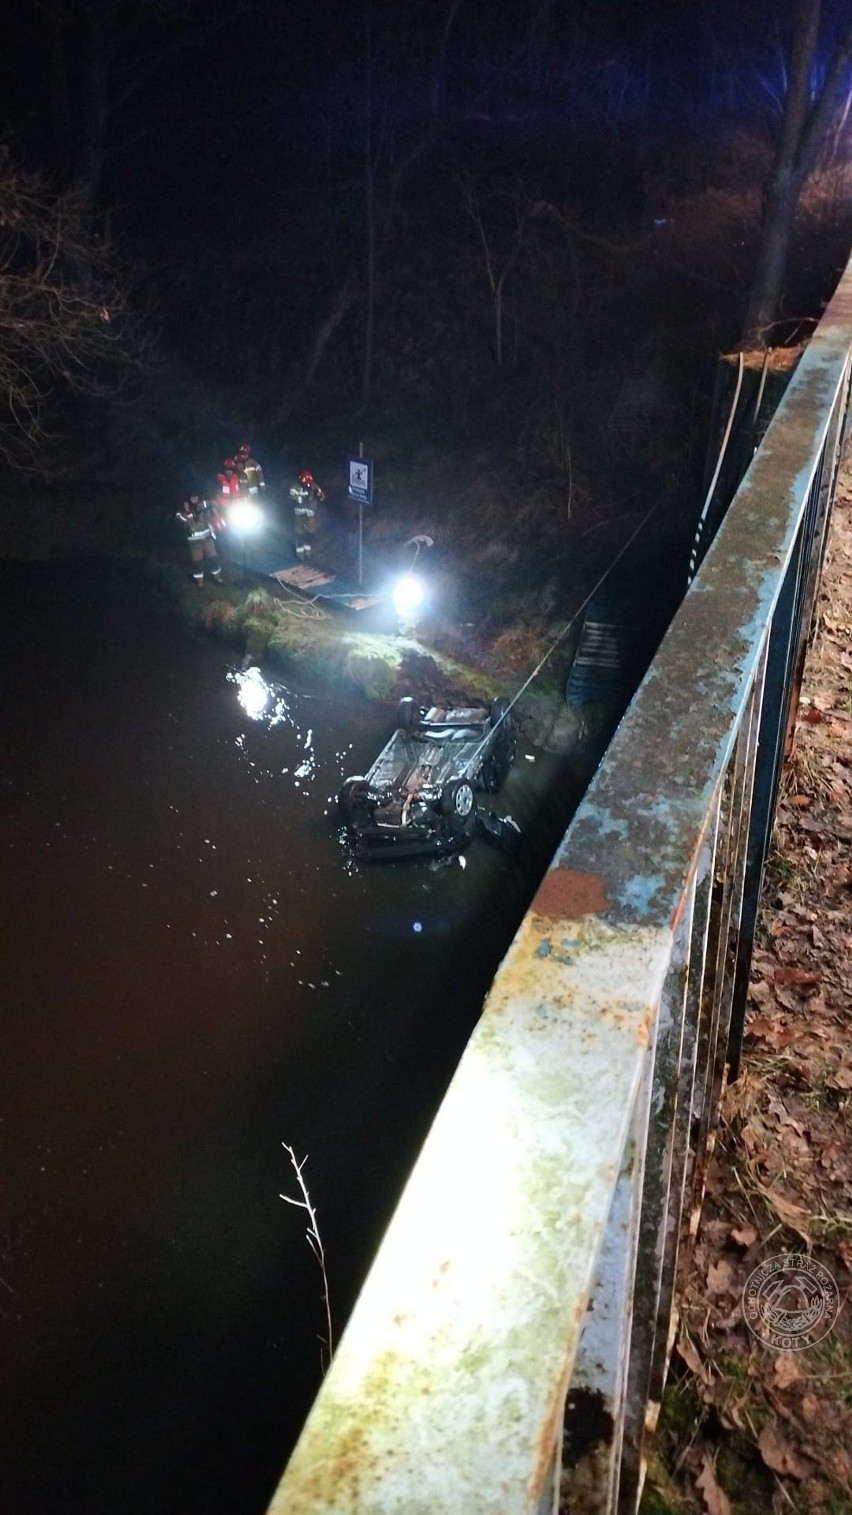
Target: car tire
(352, 800)
(408, 715)
(458, 804)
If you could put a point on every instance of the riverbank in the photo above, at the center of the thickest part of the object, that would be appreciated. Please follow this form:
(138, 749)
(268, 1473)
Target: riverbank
(455, 658)
(303, 638)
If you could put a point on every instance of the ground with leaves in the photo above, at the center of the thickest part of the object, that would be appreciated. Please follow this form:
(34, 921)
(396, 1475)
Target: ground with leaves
(745, 1428)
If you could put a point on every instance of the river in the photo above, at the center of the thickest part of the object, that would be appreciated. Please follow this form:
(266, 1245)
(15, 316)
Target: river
(195, 973)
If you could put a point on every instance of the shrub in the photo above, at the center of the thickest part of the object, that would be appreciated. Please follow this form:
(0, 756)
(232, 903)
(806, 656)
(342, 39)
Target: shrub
(519, 649)
(221, 618)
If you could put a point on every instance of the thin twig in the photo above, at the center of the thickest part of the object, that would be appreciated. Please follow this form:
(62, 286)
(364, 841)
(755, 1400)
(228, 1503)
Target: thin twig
(314, 1242)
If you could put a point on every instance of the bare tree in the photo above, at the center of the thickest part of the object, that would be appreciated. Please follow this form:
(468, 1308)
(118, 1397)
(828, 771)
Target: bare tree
(502, 244)
(388, 157)
(54, 330)
(805, 123)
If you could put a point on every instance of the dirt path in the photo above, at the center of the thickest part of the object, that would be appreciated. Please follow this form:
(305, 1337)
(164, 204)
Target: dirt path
(762, 1422)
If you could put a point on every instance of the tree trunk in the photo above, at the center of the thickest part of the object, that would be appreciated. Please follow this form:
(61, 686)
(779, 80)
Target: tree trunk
(370, 297)
(304, 377)
(370, 218)
(804, 129)
(785, 182)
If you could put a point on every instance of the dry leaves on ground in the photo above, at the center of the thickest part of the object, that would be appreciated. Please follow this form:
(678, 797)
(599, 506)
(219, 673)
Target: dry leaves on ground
(746, 1428)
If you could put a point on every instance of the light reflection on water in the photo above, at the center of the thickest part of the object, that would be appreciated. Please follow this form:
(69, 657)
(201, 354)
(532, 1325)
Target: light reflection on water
(272, 704)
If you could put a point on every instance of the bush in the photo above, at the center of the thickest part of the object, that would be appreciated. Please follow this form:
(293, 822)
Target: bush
(220, 618)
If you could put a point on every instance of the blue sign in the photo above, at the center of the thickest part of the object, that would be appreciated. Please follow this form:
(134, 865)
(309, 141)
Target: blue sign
(360, 480)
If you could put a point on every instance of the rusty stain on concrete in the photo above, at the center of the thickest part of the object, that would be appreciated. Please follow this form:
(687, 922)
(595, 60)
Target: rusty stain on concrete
(566, 894)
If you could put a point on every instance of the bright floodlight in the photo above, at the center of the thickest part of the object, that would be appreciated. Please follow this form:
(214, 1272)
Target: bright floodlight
(407, 594)
(245, 516)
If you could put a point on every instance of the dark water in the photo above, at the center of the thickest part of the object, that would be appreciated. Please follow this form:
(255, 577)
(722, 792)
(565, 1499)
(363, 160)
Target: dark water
(193, 973)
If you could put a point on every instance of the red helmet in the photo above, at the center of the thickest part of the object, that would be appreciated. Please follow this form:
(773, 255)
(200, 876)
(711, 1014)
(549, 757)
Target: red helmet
(229, 463)
(305, 477)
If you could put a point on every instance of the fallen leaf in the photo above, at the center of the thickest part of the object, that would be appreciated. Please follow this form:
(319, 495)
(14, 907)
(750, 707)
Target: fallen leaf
(791, 1215)
(832, 1156)
(779, 1454)
(800, 978)
(841, 1079)
(839, 1462)
(715, 1499)
(770, 1031)
(744, 1236)
(714, 1231)
(786, 1370)
(810, 1407)
(720, 1277)
(688, 1353)
(759, 991)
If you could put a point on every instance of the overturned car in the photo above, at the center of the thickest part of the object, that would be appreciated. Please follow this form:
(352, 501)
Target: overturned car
(419, 796)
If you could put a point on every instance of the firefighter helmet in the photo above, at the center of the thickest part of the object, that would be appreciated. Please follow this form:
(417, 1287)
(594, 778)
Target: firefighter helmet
(305, 477)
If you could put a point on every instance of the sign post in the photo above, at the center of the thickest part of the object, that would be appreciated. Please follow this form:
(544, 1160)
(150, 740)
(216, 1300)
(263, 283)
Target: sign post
(360, 488)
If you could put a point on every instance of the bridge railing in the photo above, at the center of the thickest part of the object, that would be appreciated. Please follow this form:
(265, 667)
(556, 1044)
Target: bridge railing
(508, 1350)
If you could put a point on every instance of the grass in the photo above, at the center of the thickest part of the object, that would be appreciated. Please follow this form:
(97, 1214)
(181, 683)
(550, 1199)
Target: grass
(685, 1420)
(304, 639)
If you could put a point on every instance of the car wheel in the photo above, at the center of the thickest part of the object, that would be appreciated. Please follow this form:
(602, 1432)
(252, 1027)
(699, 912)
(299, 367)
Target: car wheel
(408, 715)
(352, 801)
(458, 804)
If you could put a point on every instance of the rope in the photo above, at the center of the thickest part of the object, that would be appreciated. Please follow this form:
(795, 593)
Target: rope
(761, 387)
(568, 625)
(300, 609)
(693, 559)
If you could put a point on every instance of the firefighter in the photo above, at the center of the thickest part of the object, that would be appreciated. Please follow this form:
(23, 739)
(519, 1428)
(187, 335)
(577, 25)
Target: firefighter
(200, 522)
(306, 495)
(228, 480)
(249, 472)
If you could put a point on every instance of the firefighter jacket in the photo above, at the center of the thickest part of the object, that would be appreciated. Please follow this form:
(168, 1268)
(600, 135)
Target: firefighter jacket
(229, 484)
(197, 520)
(251, 478)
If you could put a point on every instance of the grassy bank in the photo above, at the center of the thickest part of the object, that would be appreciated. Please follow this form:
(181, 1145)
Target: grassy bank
(483, 641)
